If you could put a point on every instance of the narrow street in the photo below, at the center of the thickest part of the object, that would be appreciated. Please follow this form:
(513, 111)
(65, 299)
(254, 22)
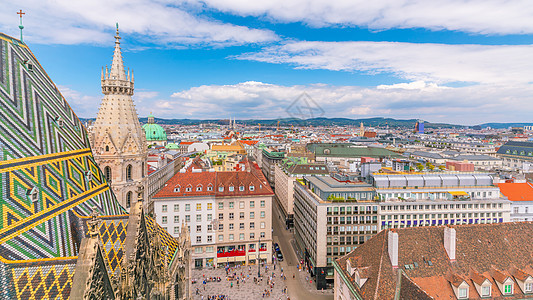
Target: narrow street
(297, 287)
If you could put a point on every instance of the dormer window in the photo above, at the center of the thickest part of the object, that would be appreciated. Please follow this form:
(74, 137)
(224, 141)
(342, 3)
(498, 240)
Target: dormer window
(209, 188)
(199, 188)
(528, 287)
(241, 188)
(252, 188)
(176, 190)
(508, 289)
(463, 293)
(220, 188)
(188, 189)
(231, 188)
(485, 291)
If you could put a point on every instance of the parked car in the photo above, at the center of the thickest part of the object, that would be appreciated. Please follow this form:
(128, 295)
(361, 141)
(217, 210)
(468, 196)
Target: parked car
(279, 255)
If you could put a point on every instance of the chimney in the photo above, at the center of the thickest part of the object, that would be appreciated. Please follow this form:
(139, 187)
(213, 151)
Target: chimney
(393, 248)
(449, 242)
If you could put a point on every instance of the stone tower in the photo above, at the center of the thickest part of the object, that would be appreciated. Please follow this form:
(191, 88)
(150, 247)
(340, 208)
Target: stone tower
(117, 139)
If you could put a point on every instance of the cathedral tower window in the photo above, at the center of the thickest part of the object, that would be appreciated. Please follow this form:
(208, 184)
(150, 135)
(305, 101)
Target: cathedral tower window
(107, 172)
(107, 148)
(128, 199)
(128, 172)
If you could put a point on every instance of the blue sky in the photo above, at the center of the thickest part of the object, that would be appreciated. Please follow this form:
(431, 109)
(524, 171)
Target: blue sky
(455, 61)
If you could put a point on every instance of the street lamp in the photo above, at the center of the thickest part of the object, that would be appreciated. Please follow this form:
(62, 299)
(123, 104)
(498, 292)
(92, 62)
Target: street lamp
(258, 259)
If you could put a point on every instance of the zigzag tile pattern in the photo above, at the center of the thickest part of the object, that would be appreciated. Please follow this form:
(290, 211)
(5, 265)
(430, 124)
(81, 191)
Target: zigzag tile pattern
(167, 241)
(113, 236)
(49, 181)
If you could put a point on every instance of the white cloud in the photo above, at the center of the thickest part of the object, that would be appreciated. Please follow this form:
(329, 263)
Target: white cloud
(159, 22)
(439, 63)
(474, 16)
(255, 100)
(83, 105)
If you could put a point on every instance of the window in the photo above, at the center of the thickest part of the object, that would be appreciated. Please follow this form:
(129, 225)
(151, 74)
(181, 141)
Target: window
(209, 188)
(199, 188)
(485, 291)
(164, 208)
(198, 218)
(198, 250)
(220, 237)
(231, 226)
(220, 188)
(231, 188)
(231, 204)
(252, 215)
(198, 228)
(231, 237)
(241, 215)
(262, 234)
(252, 188)
(209, 249)
(209, 217)
(528, 287)
(209, 240)
(176, 207)
(241, 236)
(221, 216)
(241, 225)
(128, 172)
(176, 230)
(209, 227)
(463, 293)
(231, 216)
(252, 204)
(220, 226)
(164, 219)
(188, 189)
(198, 206)
(187, 218)
(209, 206)
(252, 225)
(176, 219)
(199, 240)
(241, 204)
(262, 225)
(262, 214)
(176, 190)
(221, 205)
(262, 203)
(508, 289)
(107, 171)
(128, 199)
(252, 236)
(187, 207)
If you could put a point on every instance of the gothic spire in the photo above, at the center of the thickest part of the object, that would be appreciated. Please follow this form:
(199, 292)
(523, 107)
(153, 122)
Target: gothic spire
(117, 67)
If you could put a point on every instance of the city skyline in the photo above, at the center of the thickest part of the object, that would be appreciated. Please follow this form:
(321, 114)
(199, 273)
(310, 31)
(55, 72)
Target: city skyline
(214, 60)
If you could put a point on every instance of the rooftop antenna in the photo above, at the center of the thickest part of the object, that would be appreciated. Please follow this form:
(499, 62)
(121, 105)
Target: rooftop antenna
(20, 13)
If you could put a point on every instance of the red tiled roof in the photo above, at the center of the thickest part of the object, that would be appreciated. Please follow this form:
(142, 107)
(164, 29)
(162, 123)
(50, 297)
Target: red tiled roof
(216, 179)
(248, 142)
(517, 191)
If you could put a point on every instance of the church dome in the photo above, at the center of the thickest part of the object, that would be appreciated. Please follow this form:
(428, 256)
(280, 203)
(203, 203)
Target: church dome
(153, 131)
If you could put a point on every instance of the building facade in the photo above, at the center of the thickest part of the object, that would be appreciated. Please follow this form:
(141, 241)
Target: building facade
(229, 215)
(117, 139)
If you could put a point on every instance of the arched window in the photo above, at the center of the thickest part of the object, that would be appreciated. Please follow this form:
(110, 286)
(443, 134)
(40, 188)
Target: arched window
(106, 148)
(128, 199)
(128, 172)
(107, 172)
(143, 170)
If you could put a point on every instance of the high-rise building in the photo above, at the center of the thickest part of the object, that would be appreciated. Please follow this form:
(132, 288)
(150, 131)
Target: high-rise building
(117, 139)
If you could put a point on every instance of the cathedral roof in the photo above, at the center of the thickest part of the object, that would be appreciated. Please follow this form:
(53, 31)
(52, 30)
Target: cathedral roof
(49, 184)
